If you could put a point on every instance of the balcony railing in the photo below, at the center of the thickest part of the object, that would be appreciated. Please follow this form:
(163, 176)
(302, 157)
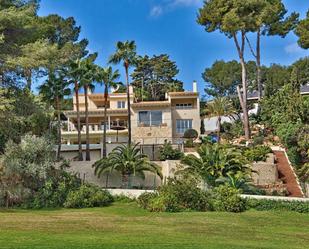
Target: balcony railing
(95, 127)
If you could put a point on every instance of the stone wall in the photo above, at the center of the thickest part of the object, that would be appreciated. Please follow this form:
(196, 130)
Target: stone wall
(266, 172)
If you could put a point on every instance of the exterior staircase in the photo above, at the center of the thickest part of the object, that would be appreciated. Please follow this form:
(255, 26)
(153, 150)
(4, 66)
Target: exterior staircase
(287, 175)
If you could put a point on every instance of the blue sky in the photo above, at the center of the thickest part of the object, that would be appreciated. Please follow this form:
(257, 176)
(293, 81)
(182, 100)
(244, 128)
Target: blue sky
(166, 26)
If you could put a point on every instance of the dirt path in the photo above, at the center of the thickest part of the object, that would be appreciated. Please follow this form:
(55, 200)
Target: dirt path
(287, 175)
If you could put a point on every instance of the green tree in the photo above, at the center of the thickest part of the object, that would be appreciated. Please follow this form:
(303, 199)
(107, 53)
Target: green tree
(108, 78)
(32, 57)
(275, 76)
(216, 161)
(222, 78)
(29, 161)
(16, 19)
(155, 76)
(53, 91)
(302, 31)
(24, 113)
(234, 19)
(128, 160)
(300, 72)
(285, 106)
(267, 17)
(219, 107)
(126, 53)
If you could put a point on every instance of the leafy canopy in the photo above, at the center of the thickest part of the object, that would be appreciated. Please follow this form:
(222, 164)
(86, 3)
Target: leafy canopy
(154, 76)
(302, 31)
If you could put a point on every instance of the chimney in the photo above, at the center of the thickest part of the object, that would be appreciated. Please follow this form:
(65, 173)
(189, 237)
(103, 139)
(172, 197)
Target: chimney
(130, 89)
(114, 89)
(194, 87)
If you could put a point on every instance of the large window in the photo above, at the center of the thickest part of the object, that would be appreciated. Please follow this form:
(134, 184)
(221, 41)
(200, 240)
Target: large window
(150, 118)
(184, 106)
(182, 125)
(121, 104)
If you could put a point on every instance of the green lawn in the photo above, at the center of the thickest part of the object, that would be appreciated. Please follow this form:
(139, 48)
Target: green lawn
(127, 226)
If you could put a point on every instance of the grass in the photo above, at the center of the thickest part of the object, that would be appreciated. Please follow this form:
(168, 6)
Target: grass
(124, 225)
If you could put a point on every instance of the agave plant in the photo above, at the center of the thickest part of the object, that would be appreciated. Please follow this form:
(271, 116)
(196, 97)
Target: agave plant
(128, 160)
(238, 180)
(216, 161)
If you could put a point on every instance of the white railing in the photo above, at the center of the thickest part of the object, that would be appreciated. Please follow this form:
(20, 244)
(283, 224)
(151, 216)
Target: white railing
(93, 127)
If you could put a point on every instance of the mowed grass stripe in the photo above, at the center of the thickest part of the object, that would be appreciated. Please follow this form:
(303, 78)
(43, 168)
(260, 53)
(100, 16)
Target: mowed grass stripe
(127, 226)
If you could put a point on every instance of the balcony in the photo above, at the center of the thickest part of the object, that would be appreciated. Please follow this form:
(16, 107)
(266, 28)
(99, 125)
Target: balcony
(69, 127)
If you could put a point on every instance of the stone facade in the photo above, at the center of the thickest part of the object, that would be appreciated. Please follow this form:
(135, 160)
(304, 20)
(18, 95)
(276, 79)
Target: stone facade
(183, 106)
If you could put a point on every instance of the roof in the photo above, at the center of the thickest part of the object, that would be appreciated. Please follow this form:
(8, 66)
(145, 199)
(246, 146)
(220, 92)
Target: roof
(172, 94)
(151, 103)
(253, 95)
(304, 90)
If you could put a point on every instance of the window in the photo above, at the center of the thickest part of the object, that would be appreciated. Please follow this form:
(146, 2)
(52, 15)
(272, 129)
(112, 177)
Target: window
(150, 118)
(121, 104)
(182, 125)
(184, 106)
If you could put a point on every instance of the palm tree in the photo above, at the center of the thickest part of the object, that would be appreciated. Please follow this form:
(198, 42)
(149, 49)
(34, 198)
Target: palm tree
(108, 78)
(76, 73)
(81, 72)
(53, 91)
(215, 161)
(88, 68)
(128, 160)
(126, 52)
(219, 107)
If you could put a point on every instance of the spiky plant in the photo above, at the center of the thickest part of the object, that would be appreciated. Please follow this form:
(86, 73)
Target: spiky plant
(128, 160)
(215, 161)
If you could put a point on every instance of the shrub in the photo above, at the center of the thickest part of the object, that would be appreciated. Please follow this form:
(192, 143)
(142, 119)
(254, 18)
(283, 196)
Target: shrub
(226, 127)
(123, 198)
(168, 153)
(30, 160)
(178, 195)
(88, 196)
(191, 134)
(144, 199)
(258, 140)
(55, 190)
(237, 129)
(257, 153)
(189, 143)
(164, 203)
(25, 168)
(228, 199)
(266, 205)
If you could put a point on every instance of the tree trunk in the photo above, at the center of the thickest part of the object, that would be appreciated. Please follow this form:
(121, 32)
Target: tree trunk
(59, 127)
(107, 177)
(142, 97)
(258, 65)
(105, 121)
(128, 103)
(219, 129)
(28, 75)
(87, 123)
(79, 137)
(243, 95)
(125, 180)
